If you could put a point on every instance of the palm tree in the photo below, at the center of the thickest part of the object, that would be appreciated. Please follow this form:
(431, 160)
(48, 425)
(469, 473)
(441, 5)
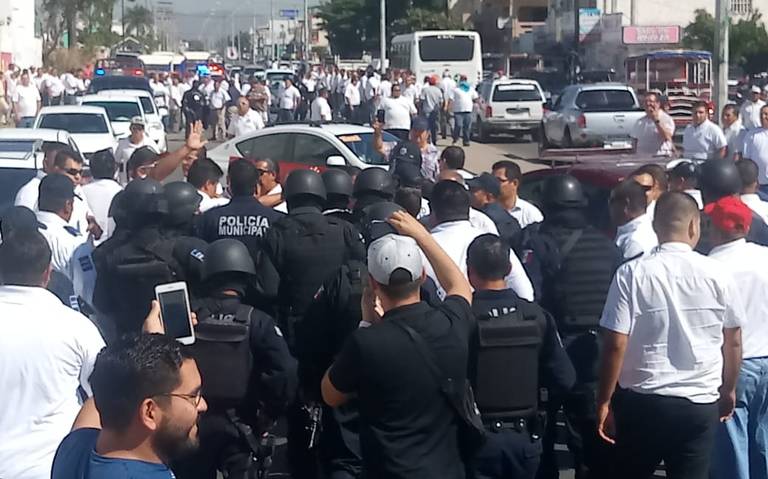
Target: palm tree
(139, 21)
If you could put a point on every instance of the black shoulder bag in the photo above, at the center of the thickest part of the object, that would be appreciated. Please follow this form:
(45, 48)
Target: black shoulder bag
(459, 396)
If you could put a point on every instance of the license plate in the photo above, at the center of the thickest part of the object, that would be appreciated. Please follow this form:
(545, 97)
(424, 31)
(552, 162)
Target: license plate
(517, 111)
(617, 145)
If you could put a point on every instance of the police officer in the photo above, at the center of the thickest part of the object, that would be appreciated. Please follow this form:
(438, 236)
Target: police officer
(485, 190)
(183, 203)
(571, 264)
(373, 185)
(249, 374)
(720, 178)
(131, 267)
(193, 104)
(304, 248)
(338, 188)
(513, 442)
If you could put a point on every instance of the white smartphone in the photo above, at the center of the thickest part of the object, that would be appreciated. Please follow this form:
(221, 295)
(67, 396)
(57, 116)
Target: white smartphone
(174, 311)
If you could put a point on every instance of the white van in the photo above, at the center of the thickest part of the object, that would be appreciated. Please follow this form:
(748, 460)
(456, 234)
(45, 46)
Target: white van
(514, 106)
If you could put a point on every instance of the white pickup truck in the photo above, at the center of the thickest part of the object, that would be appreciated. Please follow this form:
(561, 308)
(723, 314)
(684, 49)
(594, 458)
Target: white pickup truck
(600, 114)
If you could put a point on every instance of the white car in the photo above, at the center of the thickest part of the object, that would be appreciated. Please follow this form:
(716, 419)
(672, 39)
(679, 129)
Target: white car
(120, 110)
(88, 125)
(155, 128)
(508, 105)
(306, 146)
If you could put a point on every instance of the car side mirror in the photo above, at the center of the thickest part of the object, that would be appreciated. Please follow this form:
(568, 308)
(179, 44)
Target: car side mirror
(335, 160)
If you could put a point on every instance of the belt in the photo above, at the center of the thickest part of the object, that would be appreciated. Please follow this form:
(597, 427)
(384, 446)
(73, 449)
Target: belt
(518, 424)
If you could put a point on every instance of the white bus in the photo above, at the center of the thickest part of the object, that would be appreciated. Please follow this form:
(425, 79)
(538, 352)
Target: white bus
(432, 52)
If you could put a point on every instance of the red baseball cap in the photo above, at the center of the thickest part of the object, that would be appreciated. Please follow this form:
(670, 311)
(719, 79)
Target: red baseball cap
(730, 214)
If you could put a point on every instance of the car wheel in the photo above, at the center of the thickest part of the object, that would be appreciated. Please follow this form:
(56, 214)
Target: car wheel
(567, 140)
(536, 135)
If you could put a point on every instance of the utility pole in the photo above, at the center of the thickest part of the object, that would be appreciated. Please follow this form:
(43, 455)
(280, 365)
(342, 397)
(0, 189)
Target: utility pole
(122, 19)
(307, 29)
(382, 35)
(722, 28)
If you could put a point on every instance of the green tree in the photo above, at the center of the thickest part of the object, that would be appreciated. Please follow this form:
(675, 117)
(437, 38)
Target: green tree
(424, 19)
(138, 21)
(747, 39)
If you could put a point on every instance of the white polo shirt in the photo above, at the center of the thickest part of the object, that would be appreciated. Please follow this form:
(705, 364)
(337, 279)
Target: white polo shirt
(463, 100)
(290, 98)
(637, 237)
(352, 94)
(240, 125)
(526, 213)
(649, 141)
(208, 203)
(734, 135)
(100, 194)
(44, 358)
(704, 141)
(673, 304)
(26, 99)
(750, 114)
(218, 98)
(756, 149)
(320, 110)
(398, 112)
(30, 192)
(748, 264)
(757, 205)
(454, 237)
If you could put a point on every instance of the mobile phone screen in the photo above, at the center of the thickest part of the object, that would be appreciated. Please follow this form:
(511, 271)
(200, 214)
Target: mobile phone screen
(175, 314)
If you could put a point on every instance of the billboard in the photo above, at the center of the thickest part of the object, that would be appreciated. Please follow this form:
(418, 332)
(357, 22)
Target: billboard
(589, 24)
(664, 35)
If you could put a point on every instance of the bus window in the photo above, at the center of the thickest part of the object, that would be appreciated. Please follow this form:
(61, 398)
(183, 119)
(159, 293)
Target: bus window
(446, 48)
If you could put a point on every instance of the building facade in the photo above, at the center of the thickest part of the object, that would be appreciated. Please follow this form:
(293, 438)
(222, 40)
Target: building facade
(18, 43)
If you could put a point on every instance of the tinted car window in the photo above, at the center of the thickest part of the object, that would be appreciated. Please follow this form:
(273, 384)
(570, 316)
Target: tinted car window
(276, 147)
(75, 122)
(361, 145)
(147, 104)
(313, 150)
(516, 93)
(118, 110)
(605, 100)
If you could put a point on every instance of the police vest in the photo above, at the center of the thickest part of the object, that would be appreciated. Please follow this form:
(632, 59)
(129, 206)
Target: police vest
(505, 366)
(222, 350)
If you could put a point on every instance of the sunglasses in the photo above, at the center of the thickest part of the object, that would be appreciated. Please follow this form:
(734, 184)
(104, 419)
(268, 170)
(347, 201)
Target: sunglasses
(73, 171)
(263, 171)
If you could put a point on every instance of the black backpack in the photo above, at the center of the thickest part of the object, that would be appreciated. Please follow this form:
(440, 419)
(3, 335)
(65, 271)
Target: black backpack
(222, 350)
(504, 368)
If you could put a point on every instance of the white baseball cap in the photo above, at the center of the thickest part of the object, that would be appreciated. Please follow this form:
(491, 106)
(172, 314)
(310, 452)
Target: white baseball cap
(394, 252)
(137, 120)
(755, 89)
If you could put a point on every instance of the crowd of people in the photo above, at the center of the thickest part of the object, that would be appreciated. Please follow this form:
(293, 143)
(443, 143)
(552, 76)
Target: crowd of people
(418, 321)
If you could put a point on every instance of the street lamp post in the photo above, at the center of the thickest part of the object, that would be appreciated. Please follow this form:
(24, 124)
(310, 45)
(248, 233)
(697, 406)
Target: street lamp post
(383, 34)
(722, 28)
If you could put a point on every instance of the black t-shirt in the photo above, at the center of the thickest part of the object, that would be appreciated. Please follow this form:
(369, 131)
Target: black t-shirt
(408, 428)
(556, 370)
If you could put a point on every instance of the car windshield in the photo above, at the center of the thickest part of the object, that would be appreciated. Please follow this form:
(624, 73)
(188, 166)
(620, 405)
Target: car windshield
(75, 122)
(516, 93)
(605, 100)
(15, 146)
(278, 76)
(147, 104)
(118, 110)
(361, 145)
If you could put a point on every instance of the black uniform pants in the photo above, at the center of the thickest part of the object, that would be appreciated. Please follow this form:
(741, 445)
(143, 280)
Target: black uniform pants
(593, 458)
(652, 428)
(221, 448)
(506, 454)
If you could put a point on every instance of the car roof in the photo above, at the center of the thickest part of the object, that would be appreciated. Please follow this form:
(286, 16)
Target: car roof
(279, 70)
(43, 134)
(600, 86)
(512, 81)
(605, 171)
(332, 128)
(68, 109)
(124, 92)
(110, 98)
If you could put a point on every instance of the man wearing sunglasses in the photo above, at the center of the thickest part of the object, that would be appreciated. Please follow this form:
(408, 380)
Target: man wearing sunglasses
(147, 399)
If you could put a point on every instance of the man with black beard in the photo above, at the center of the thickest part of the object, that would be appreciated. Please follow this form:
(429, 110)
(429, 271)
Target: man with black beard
(146, 402)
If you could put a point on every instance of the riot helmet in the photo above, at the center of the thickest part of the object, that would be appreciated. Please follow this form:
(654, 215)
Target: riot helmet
(183, 202)
(563, 191)
(375, 181)
(227, 256)
(719, 178)
(337, 182)
(304, 183)
(144, 197)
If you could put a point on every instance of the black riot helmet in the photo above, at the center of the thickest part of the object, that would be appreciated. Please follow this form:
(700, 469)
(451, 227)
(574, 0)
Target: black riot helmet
(563, 191)
(373, 223)
(337, 182)
(227, 256)
(719, 178)
(144, 197)
(183, 202)
(303, 183)
(117, 210)
(375, 181)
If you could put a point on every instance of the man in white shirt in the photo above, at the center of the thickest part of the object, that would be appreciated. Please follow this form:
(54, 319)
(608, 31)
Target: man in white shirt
(245, 121)
(734, 131)
(432, 102)
(634, 232)
(55, 88)
(74, 271)
(750, 110)
(462, 101)
(385, 87)
(290, 99)
(450, 207)
(176, 95)
(101, 191)
(671, 340)
(352, 100)
(447, 84)
(217, 100)
(748, 172)
(45, 359)
(126, 146)
(509, 174)
(26, 101)
(371, 94)
(652, 134)
(756, 149)
(740, 442)
(703, 139)
(398, 111)
(70, 87)
(205, 175)
(320, 110)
